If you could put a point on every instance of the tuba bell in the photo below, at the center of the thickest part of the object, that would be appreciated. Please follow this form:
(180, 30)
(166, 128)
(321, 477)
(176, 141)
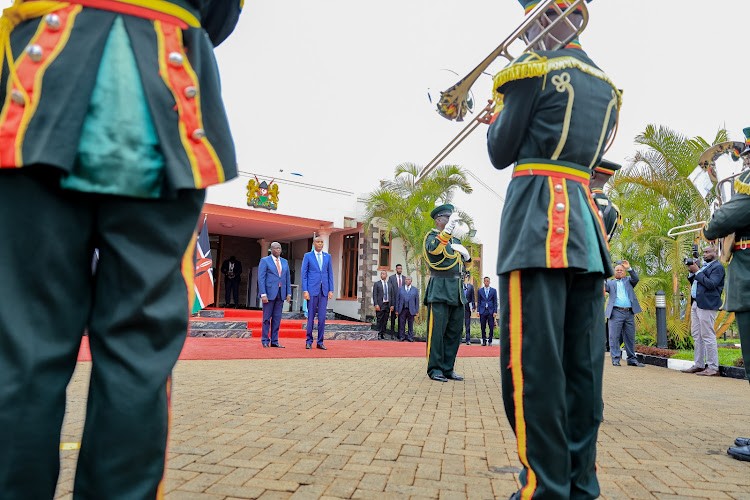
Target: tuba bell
(539, 31)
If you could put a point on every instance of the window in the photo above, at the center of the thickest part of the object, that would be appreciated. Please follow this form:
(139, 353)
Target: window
(350, 260)
(384, 251)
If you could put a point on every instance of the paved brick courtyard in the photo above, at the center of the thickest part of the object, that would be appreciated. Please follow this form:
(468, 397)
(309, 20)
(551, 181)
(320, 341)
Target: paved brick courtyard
(378, 428)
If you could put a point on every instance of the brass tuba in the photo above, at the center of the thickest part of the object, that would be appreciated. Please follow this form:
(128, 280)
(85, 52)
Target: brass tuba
(724, 190)
(454, 102)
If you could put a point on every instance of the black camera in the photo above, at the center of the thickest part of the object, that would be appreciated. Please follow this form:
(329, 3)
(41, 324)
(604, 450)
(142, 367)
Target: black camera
(688, 262)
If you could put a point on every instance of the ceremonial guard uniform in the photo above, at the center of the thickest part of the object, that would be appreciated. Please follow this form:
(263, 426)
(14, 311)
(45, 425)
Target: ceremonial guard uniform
(555, 112)
(444, 298)
(111, 126)
(734, 217)
(609, 211)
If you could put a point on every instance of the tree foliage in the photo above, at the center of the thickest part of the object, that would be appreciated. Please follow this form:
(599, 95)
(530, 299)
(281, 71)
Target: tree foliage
(402, 207)
(654, 194)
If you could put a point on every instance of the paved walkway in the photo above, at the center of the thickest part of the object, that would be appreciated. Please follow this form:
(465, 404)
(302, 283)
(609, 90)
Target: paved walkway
(378, 428)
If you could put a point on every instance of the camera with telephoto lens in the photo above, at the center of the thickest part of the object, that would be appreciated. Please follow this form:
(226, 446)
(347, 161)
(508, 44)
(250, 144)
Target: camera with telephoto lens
(689, 261)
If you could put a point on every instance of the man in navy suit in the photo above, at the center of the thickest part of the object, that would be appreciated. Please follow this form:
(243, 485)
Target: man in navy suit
(487, 306)
(407, 308)
(706, 285)
(622, 307)
(232, 271)
(274, 285)
(317, 287)
(469, 307)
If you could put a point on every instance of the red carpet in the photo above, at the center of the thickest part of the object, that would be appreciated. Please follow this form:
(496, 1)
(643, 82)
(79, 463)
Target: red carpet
(218, 348)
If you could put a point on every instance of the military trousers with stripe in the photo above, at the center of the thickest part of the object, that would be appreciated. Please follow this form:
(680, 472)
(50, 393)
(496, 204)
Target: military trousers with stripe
(135, 307)
(551, 363)
(445, 324)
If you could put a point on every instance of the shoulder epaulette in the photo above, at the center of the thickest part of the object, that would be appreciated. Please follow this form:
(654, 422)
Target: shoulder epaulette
(532, 65)
(742, 183)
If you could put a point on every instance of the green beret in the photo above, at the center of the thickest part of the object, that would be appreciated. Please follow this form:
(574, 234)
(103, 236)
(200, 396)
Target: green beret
(746, 131)
(446, 210)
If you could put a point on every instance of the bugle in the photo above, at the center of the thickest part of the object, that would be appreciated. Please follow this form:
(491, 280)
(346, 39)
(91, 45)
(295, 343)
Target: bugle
(545, 18)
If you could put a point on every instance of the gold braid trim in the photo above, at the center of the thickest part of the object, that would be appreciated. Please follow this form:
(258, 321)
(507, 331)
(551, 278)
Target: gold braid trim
(535, 67)
(441, 249)
(741, 187)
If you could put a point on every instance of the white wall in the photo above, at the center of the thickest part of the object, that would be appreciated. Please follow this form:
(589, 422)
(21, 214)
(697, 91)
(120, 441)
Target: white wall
(296, 198)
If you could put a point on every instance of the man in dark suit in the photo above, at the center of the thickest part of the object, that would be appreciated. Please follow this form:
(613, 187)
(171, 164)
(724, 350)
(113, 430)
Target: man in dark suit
(707, 283)
(396, 281)
(622, 307)
(407, 308)
(317, 287)
(487, 307)
(274, 286)
(469, 307)
(381, 299)
(232, 271)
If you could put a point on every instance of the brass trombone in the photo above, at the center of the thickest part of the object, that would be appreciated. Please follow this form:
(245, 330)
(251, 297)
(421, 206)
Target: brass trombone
(453, 103)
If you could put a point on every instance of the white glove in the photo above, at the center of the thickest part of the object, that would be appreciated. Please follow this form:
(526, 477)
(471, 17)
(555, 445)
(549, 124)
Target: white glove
(457, 247)
(452, 221)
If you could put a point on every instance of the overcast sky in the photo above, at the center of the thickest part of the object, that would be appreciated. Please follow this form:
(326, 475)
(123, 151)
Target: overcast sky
(337, 90)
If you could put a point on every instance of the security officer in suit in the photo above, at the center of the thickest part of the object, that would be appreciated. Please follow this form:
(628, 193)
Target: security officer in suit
(111, 127)
(734, 217)
(555, 111)
(444, 296)
(469, 307)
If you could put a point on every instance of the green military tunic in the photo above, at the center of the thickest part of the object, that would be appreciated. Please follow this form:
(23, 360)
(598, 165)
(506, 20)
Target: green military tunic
(734, 217)
(555, 111)
(144, 86)
(445, 301)
(197, 149)
(609, 212)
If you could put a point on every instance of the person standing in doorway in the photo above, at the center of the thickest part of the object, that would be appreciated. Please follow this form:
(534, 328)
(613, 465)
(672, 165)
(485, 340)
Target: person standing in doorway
(232, 271)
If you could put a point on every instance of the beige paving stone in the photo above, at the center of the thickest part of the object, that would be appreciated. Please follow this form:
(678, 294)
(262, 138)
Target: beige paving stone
(280, 434)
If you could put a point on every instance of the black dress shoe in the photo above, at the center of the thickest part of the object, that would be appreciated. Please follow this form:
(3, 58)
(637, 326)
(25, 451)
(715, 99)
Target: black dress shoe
(265, 345)
(615, 363)
(439, 378)
(742, 442)
(381, 336)
(484, 343)
(411, 340)
(309, 346)
(468, 342)
(453, 376)
(278, 345)
(636, 363)
(740, 453)
(321, 346)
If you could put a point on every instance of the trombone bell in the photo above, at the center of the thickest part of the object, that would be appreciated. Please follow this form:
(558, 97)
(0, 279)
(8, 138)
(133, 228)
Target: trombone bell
(539, 30)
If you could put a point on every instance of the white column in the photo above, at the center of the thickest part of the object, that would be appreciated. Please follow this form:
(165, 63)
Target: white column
(264, 246)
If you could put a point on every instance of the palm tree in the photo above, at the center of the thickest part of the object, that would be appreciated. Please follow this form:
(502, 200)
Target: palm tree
(402, 208)
(654, 194)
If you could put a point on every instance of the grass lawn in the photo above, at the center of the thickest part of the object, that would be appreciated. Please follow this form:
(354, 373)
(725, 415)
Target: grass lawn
(726, 356)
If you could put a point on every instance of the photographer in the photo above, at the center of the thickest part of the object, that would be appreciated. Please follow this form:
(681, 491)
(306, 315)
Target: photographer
(707, 283)
(622, 307)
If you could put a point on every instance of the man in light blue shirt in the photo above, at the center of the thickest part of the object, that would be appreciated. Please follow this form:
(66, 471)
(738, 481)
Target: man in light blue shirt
(622, 307)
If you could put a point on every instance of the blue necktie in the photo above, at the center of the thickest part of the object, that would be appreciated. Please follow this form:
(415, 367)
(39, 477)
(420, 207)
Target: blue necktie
(320, 262)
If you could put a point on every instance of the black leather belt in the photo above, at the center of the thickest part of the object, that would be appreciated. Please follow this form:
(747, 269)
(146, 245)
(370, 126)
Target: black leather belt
(445, 274)
(624, 308)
